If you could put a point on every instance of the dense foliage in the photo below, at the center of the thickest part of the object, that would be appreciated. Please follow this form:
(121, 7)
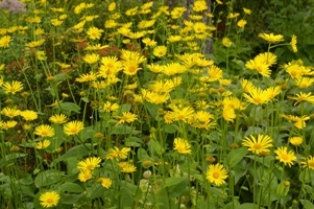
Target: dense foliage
(156, 104)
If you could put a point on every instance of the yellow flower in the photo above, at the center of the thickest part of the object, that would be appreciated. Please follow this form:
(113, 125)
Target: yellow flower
(258, 146)
(112, 6)
(41, 55)
(42, 144)
(182, 146)
(86, 77)
(105, 182)
(34, 44)
(199, 6)
(216, 174)
(247, 11)
(91, 58)
(226, 42)
(58, 119)
(160, 51)
(308, 162)
(12, 87)
(89, 163)
(110, 107)
(296, 140)
(127, 55)
(8, 124)
(49, 199)
(241, 23)
(44, 131)
(293, 43)
(35, 19)
(146, 24)
(85, 175)
(149, 42)
(94, 33)
(298, 122)
(10, 112)
(127, 167)
(117, 154)
(302, 97)
(130, 67)
(73, 127)
(233, 15)
(271, 38)
(256, 96)
(5, 41)
(127, 117)
(215, 73)
(29, 115)
(228, 114)
(285, 156)
(56, 22)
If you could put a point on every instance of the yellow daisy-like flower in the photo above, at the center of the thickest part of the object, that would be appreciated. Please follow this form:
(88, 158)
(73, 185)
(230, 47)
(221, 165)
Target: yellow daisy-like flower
(271, 38)
(241, 23)
(94, 33)
(5, 41)
(216, 174)
(73, 127)
(105, 182)
(91, 58)
(258, 146)
(89, 163)
(42, 144)
(116, 153)
(130, 67)
(285, 156)
(8, 124)
(302, 97)
(293, 43)
(127, 167)
(58, 119)
(226, 42)
(182, 146)
(10, 112)
(86, 77)
(49, 199)
(12, 87)
(44, 131)
(308, 162)
(298, 122)
(247, 11)
(296, 140)
(34, 44)
(85, 175)
(160, 51)
(127, 117)
(29, 115)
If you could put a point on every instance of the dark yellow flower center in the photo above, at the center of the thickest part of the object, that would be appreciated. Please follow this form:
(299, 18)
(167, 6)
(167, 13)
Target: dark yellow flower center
(50, 200)
(216, 175)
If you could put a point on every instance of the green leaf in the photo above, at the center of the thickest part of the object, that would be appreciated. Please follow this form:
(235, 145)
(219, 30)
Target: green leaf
(235, 156)
(307, 204)
(155, 148)
(124, 130)
(142, 154)
(78, 151)
(133, 142)
(46, 178)
(247, 206)
(152, 109)
(68, 106)
(70, 199)
(71, 188)
(10, 158)
(176, 186)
